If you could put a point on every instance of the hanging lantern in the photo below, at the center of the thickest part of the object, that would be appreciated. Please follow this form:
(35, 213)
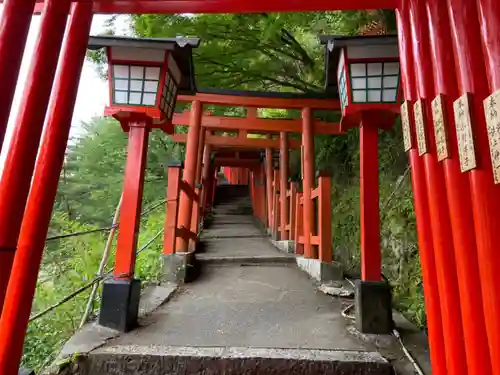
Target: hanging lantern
(146, 75)
(364, 72)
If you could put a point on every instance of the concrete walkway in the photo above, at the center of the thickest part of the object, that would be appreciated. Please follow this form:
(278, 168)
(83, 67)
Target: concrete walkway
(249, 294)
(251, 311)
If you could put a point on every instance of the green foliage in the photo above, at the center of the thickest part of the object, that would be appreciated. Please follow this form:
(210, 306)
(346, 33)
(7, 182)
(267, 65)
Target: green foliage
(401, 262)
(89, 190)
(277, 52)
(70, 266)
(274, 52)
(94, 167)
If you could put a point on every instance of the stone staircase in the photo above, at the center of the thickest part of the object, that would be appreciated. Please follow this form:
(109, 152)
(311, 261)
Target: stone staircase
(251, 311)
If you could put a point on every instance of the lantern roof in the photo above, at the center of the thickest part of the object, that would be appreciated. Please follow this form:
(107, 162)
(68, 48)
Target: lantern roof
(333, 46)
(180, 48)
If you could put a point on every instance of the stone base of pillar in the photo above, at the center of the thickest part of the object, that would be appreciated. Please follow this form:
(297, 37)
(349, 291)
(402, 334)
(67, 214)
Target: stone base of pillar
(120, 304)
(178, 268)
(321, 271)
(373, 304)
(287, 246)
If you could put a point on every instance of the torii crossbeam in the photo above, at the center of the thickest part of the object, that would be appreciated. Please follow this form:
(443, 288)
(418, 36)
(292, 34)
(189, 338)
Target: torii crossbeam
(229, 6)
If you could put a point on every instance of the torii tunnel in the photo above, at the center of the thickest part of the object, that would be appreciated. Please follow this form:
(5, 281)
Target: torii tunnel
(449, 58)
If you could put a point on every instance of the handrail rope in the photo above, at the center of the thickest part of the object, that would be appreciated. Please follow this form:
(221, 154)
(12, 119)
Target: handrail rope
(88, 285)
(69, 297)
(103, 229)
(102, 263)
(75, 234)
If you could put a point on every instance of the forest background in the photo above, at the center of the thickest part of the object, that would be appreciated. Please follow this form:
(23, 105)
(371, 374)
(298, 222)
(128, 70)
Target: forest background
(264, 52)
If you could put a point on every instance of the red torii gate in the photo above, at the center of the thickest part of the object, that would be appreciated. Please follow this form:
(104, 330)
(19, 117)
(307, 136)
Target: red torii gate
(469, 72)
(252, 101)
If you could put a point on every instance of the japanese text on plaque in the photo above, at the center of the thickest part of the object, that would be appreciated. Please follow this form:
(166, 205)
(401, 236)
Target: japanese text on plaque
(420, 127)
(440, 128)
(465, 136)
(492, 112)
(405, 123)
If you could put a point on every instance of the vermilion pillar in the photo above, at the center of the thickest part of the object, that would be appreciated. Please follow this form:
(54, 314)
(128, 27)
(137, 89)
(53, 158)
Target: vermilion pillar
(207, 176)
(308, 180)
(121, 295)
(199, 157)
(458, 192)
(14, 26)
(429, 276)
(369, 203)
(14, 320)
(196, 211)
(485, 195)
(18, 168)
(283, 185)
(276, 204)
(172, 208)
(186, 204)
(269, 184)
(436, 192)
(133, 184)
(261, 184)
(490, 33)
(252, 192)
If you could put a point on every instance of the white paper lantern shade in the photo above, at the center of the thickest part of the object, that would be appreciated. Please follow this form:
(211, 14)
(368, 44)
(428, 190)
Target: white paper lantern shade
(135, 85)
(373, 82)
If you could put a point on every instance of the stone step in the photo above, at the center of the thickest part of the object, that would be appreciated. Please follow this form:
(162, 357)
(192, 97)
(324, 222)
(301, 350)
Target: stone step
(170, 360)
(215, 259)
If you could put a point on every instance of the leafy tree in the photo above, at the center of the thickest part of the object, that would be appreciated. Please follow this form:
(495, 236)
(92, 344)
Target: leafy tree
(273, 52)
(94, 168)
(278, 52)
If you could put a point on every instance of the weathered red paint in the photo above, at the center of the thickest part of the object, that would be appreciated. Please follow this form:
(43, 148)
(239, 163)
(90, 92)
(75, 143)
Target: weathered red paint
(20, 162)
(14, 26)
(438, 204)
(458, 194)
(133, 184)
(371, 258)
(429, 275)
(485, 195)
(33, 233)
(283, 185)
(189, 176)
(308, 181)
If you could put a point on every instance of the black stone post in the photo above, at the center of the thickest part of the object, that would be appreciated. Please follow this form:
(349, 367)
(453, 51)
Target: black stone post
(373, 303)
